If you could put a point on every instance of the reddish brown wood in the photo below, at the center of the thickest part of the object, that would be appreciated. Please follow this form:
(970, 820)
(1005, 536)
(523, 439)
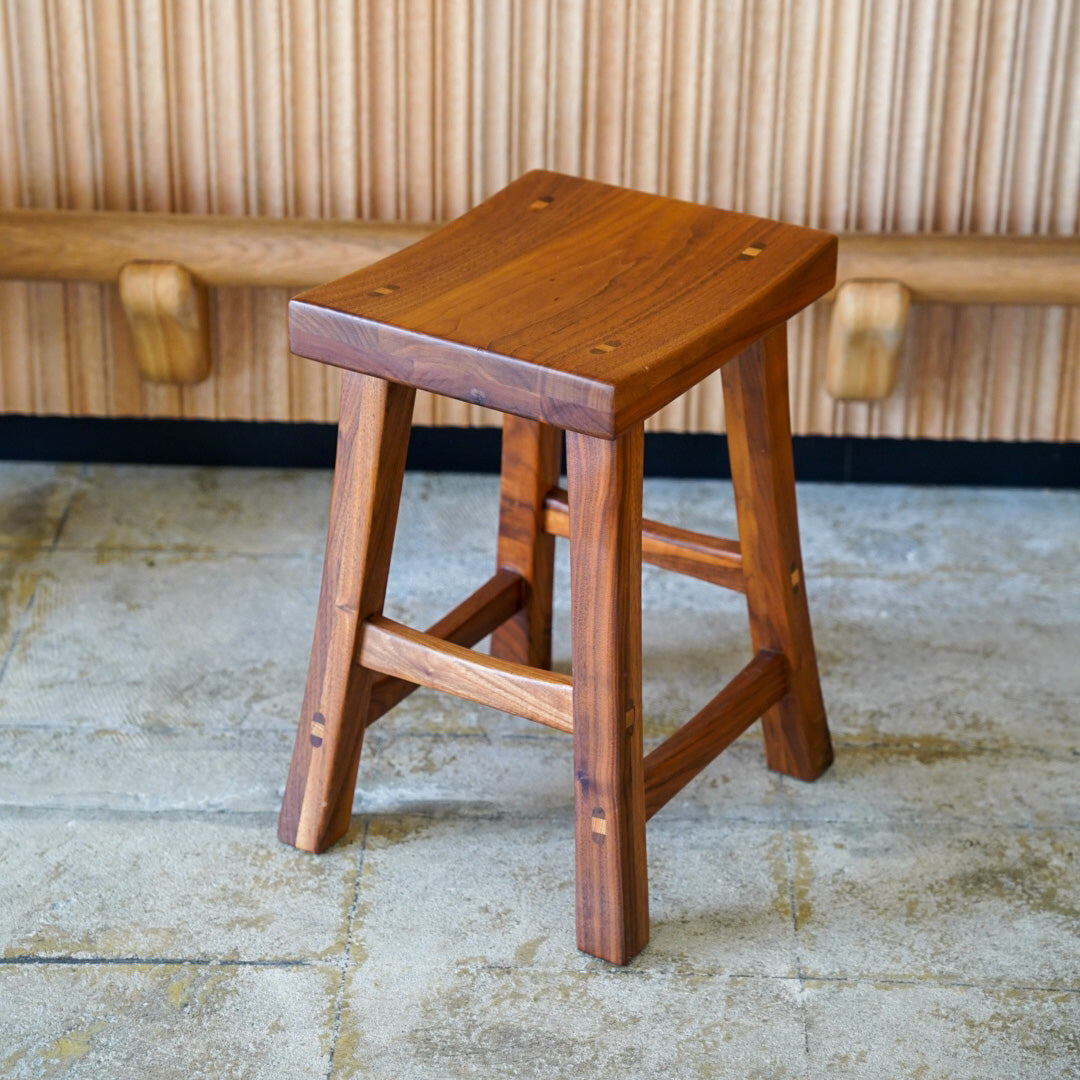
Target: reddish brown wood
(695, 554)
(543, 696)
(531, 456)
(474, 618)
(677, 760)
(572, 305)
(590, 315)
(605, 582)
(373, 435)
(759, 443)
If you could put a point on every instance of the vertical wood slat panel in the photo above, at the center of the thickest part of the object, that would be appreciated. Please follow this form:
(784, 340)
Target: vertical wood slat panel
(942, 115)
(1068, 415)
(15, 370)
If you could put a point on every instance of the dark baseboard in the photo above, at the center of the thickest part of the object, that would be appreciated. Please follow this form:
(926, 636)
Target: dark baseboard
(284, 445)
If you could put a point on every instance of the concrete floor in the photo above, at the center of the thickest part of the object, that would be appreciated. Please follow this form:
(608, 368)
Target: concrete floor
(915, 913)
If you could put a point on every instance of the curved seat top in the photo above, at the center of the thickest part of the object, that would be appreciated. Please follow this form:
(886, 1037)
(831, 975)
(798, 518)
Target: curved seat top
(571, 301)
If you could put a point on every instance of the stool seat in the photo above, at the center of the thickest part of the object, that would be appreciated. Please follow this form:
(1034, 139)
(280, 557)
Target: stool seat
(569, 301)
(578, 309)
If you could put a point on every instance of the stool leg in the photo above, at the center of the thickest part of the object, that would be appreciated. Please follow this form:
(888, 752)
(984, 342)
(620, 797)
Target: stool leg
(531, 456)
(759, 443)
(609, 791)
(373, 435)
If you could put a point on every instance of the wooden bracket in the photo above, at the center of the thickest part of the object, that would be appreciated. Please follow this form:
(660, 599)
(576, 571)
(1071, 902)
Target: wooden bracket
(168, 312)
(867, 328)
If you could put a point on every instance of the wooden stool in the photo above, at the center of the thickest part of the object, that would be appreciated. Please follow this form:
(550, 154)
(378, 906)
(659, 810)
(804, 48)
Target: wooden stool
(568, 305)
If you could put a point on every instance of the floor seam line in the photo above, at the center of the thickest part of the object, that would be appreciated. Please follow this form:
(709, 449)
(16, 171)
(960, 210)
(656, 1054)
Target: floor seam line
(20, 629)
(643, 972)
(990, 984)
(347, 957)
(64, 515)
(150, 961)
(17, 633)
(789, 866)
(526, 816)
(179, 549)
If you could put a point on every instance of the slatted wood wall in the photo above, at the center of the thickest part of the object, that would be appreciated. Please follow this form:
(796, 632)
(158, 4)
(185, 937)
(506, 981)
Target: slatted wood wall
(881, 115)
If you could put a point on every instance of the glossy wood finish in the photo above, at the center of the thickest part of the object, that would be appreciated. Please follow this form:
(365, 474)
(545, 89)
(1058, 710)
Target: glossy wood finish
(400, 651)
(612, 902)
(281, 252)
(498, 599)
(532, 287)
(373, 434)
(565, 300)
(958, 269)
(677, 760)
(531, 457)
(759, 444)
(682, 550)
(219, 249)
(65, 350)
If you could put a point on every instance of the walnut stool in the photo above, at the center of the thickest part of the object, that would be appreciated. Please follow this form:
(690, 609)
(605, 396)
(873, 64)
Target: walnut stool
(570, 306)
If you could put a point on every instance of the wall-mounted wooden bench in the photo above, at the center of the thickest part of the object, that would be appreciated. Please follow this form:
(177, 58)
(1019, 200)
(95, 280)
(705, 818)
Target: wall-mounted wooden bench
(176, 256)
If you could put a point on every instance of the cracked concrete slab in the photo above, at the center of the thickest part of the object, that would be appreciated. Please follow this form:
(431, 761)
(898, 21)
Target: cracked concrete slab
(958, 904)
(938, 781)
(144, 768)
(899, 1030)
(513, 1022)
(515, 773)
(168, 1021)
(912, 913)
(163, 639)
(34, 500)
(225, 511)
(501, 892)
(167, 886)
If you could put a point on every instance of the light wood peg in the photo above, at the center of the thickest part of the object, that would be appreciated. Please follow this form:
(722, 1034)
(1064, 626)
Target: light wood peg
(168, 312)
(867, 329)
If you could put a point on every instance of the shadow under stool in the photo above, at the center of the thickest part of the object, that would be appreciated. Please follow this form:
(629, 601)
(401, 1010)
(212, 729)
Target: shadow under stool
(574, 306)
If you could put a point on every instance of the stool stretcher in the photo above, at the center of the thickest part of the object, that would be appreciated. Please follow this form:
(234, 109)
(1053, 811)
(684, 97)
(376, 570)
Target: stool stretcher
(677, 760)
(500, 598)
(695, 554)
(544, 696)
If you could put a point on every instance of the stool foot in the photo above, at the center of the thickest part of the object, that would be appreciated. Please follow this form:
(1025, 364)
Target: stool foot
(609, 789)
(759, 442)
(373, 435)
(531, 456)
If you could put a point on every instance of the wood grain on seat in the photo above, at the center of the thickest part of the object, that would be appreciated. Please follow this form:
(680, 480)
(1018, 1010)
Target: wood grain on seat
(567, 300)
